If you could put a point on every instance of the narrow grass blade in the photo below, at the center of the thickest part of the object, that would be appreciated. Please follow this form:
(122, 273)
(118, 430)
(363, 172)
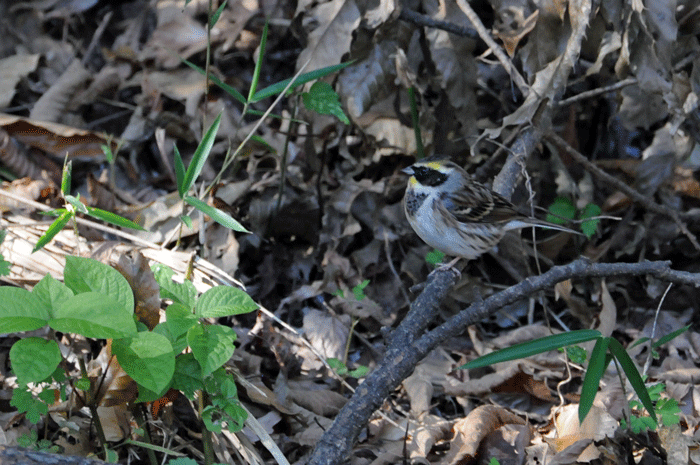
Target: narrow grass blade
(217, 215)
(633, 376)
(200, 155)
(526, 349)
(275, 89)
(179, 171)
(54, 229)
(258, 65)
(594, 373)
(113, 218)
(228, 89)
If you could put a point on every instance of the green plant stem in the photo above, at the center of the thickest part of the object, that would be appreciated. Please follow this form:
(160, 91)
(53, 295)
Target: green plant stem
(143, 424)
(207, 444)
(95, 417)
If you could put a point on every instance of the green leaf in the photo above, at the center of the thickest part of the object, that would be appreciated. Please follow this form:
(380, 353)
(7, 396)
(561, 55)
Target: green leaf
(664, 339)
(148, 358)
(26, 403)
(359, 372)
(537, 346)
(577, 354)
(669, 411)
(561, 210)
(212, 346)
(113, 218)
(589, 227)
(87, 275)
(228, 89)
(187, 220)
(359, 290)
(76, 203)
(109, 155)
(34, 359)
(65, 178)
(258, 63)
(20, 310)
(338, 366)
(51, 291)
(224, 301)
(183, 293)
(435, 257)
(322, 99)
(95, 315)
(633, 375)
(200, 155)
(217, 13)
(4, 266)
(179, 172)
(56, 227)
(188, 375)
(215, 214)
(594, 373)
(275, 89)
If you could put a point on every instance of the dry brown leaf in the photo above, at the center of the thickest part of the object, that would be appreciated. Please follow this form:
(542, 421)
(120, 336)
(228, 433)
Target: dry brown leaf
(336, 20)
(56, 139)
(52, 105)
(321, 402)
(12, 69)
(135, 268)
(469, 432)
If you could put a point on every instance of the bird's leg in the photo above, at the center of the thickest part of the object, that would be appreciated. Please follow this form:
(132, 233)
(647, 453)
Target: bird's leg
(448, 266)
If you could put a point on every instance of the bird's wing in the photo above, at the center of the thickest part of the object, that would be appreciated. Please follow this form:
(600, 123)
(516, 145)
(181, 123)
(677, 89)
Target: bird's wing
(475, 203)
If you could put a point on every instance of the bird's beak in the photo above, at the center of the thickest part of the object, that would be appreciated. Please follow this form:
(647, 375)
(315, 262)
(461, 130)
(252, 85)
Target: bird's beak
(408, 171)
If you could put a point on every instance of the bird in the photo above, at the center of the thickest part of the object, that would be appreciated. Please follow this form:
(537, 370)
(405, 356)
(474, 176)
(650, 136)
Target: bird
(457, 215)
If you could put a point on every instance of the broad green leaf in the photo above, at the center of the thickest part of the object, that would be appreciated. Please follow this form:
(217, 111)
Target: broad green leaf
(23, 400)
(561, 210)
(224, 301)
(34, 359)
(51, 291)
(594, 373)
(88, 275)
(589, 227)
(95, 315)
(188, 375)
(56, 227)
(633, 375)
(322, 99)
(275, 89)
(113, 218)
(200, 155)
(537, 346)
(217, 215)
(148, 358)
(212, 346)
(184, 293)
(20, 310)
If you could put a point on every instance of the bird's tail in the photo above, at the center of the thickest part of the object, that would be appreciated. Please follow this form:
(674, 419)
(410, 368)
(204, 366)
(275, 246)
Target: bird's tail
(530, 222)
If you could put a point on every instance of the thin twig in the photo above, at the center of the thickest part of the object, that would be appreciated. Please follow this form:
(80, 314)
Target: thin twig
(423, 20)
(495, 48)
(596, 92)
